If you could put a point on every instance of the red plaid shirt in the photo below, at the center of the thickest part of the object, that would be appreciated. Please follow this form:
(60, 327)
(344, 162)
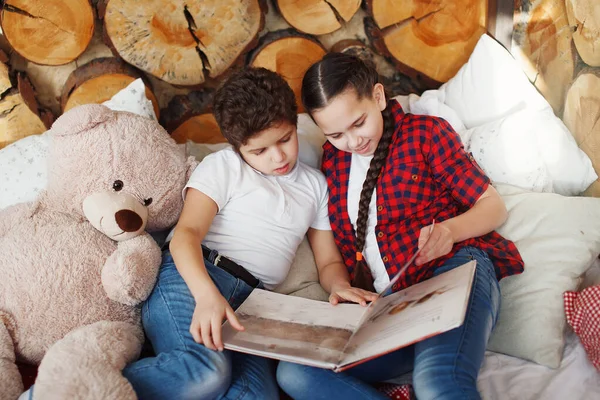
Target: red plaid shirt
(428, 175)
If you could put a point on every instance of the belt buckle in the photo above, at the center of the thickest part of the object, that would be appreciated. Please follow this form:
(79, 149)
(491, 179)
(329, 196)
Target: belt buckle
(217, 259)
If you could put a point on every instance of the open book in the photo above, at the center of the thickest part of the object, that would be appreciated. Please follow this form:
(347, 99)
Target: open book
(338, 337)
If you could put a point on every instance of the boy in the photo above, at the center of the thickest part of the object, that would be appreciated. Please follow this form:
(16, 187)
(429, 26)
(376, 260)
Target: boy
(246, 210)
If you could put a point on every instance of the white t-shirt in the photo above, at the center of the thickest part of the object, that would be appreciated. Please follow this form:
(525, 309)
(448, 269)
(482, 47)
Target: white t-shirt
(261, 219)
(358, 173)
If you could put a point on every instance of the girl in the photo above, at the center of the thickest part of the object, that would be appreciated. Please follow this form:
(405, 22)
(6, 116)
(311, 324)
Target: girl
(390, 174)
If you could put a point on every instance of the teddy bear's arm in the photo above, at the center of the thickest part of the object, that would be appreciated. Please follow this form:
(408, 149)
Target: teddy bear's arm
(14, 215)
(129, 274)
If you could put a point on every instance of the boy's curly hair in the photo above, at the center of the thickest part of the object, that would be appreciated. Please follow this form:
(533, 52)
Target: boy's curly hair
(250, 101)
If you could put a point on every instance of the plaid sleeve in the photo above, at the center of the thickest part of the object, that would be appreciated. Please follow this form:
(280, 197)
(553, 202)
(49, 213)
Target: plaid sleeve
(453, 167)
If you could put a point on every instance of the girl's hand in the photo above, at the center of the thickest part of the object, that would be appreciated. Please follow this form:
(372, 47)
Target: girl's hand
(208, 318)
(434, 243)
(341, 293)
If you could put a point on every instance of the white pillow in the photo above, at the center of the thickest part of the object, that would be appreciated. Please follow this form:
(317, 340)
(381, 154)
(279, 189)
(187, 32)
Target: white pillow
(23, 170)
(511, 151)
(490, 86)
(132, 99)
(528, 146)
(310, 141)
(23, 163)
(559, 239)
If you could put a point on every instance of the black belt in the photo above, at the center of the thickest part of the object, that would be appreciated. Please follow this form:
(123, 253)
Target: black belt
(229, 266)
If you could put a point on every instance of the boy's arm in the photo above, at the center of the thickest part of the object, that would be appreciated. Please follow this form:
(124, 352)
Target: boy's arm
(198, 213)
(333, 274)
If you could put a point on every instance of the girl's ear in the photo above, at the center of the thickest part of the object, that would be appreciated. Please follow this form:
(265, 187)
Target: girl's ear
(379, 96)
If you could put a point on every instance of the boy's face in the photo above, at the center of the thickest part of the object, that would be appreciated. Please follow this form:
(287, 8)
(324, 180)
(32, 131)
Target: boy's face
(352, 124)
(273, 151)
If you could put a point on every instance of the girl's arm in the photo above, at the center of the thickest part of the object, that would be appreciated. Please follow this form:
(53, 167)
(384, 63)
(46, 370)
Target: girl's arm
(333, 274)
(467, 183)
(487, 214)
(211, 308)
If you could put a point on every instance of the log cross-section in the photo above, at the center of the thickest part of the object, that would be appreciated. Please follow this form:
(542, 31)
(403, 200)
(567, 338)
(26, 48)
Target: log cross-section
(429, 40)
(542, 44)
(190, 117)
(317, 17)
(99, 80)
(182, 43)
(290, 54)
(20, 114)
(582, 117)
(48, 32)
(584, 18)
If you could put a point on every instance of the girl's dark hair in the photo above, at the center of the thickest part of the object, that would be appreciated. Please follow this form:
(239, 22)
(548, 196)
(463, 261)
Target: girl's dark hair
(326, 79)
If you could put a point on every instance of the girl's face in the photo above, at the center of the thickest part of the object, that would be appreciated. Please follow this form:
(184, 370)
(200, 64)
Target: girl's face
(352, 124)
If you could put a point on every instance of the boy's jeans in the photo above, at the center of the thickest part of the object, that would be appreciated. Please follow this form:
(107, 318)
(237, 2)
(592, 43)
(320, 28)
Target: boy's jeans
(445, 366)
(184, 369)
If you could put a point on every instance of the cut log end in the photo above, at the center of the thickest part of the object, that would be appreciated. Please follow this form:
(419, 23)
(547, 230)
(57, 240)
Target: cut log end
(189, 117)
(182, 44)
(290, 54)
(542, 45)
(582, 114)
(418, 35)
(50, 32)
(20, 114)
(99, 80)
(584, 19)
(5, 83)
(318, 17)
(199, 129)
(184, 107)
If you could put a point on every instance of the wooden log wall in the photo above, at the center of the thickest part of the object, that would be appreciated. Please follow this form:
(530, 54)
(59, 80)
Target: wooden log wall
(61, 53)
(79, 51)
(557, 43)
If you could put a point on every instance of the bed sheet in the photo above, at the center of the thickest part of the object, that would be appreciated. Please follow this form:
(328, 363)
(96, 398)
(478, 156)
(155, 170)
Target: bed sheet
(508, 378)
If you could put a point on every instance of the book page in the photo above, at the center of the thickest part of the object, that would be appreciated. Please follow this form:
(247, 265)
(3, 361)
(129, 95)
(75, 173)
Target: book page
(292, 328)
(411, 315)
(387, 288)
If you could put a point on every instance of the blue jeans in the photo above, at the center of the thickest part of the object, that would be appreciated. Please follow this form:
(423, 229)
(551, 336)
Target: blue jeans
(444, 367)
(184, 369)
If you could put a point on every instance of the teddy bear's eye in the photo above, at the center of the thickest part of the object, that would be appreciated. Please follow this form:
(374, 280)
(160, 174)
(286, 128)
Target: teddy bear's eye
(147, 202)
(117, 185)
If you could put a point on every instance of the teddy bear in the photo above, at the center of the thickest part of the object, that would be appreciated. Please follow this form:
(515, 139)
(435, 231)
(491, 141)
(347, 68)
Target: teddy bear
(76, 263)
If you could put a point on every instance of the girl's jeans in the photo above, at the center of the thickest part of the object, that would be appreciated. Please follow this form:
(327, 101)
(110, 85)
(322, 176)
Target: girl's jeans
(184, 369)
(444, 367)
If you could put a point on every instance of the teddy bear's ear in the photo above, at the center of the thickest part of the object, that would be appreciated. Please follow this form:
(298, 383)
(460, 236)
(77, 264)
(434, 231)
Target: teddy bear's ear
(191, 165)
(80, 118)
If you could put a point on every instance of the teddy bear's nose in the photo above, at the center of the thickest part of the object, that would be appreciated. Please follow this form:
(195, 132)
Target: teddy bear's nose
(128, 220)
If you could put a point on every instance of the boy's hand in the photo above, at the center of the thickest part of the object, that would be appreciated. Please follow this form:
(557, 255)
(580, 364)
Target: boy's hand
(434, 243)
(345, 292)
(208, 318)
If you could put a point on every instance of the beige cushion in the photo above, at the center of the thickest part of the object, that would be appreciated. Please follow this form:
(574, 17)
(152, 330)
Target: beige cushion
(303, 279)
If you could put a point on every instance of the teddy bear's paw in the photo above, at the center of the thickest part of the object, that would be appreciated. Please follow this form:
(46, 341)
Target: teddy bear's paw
(114, 388)
(130, 272)
(87, 363)
(11, 385)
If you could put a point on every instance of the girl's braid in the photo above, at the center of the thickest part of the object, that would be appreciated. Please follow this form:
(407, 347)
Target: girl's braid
(362, 275)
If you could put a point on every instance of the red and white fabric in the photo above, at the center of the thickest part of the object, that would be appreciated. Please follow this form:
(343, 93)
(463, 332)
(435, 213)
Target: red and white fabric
(582, 310)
